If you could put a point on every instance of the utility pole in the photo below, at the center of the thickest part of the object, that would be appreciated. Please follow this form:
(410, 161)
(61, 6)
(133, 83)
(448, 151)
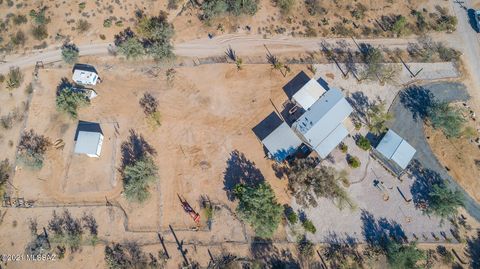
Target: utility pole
(163, 245)
(179, 246)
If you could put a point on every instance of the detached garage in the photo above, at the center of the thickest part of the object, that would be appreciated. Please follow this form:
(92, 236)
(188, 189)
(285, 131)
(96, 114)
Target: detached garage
(396, 149)
(88, 139)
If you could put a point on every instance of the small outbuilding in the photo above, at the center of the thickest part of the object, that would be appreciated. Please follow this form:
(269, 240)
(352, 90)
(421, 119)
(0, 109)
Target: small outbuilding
(308, 94)
(88, 139)
(85, 74)
(396, 149)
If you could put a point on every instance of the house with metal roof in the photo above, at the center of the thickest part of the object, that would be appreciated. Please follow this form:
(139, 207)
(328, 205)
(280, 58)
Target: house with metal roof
(281, 143)
(85, 74)
(321, 126)
(396, 149)
(88, 139)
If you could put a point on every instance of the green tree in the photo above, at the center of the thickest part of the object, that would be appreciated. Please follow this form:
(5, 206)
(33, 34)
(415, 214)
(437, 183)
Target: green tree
(307, 182)
(400, 256)
(444, 202)
(70, 53)
(215, 8)
(377, 118)
(447, 118)
(131, 48)
(309, 226)
(137, 177)
(258, 206)
(399, 27)
(5, 170)
(161, 51)
(353, 161)
(69, 100)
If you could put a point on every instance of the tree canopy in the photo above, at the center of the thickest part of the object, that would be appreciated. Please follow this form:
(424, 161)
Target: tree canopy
(377, 118)
(444, 202)
(307, 182)
(152, 37)
(258, 206)
(70, 53)
(70, 99)
(446, 118)
(136, 179)
(402, 256)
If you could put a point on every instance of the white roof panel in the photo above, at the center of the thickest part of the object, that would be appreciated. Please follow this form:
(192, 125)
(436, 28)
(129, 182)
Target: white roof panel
(84, 77)
(88, 143)
(308, 94)
(404, 154)
(332, 140)
(396, 149)
(281, 142)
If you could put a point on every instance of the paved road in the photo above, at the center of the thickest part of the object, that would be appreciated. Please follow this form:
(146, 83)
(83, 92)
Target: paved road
(410, 127)
(205, 47)
(467, 40)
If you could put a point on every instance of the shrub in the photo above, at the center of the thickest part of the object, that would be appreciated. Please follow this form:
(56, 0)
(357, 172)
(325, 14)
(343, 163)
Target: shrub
(39, 17)
(31, 149)
(2, 78)
(399, 26)
(215, 8)
(309, 226)
(5, 170)
(19, 19)
(363, 143)
(305, 247)
(447, 54)
(70, 53)
(81, 5)
(314, 7)
(292, 217)
(353, 161)
(18, 39)
(102, 37)
(40, 32)
(107, 23)
(83, 26)
(172, 4)
(14, 78)
(285, 5)
(359, 11)
(343, 147)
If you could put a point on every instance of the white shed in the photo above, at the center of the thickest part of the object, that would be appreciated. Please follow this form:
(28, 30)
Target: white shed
(397, 149)
(308, 94)
(89, 139)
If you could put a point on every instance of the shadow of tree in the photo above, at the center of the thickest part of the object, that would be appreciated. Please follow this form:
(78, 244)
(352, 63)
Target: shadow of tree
(424, 181)
(473, 250)
(63, 84)
(338, 249)
(418, 100)
(272, 257)
(378, 233)
(135, 148)
(361, 103)
(240, 170)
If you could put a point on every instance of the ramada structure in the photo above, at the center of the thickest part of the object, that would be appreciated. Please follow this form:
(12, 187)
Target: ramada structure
(394, 152)
(320, 126)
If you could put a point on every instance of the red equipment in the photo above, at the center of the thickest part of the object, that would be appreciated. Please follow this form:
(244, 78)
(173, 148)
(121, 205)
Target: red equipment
(188, 209)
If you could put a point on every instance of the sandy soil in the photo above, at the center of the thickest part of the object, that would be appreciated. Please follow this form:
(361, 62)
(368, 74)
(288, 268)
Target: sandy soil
(268, 21)
(459, 156)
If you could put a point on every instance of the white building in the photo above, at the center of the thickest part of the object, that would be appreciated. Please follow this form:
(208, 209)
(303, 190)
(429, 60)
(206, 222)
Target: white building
(89, 139)
(396, 149)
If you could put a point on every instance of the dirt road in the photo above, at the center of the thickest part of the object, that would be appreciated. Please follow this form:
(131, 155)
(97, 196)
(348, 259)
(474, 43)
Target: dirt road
(205, 47)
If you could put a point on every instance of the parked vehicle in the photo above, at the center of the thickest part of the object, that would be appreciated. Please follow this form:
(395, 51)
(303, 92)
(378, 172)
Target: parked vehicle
(477, 19)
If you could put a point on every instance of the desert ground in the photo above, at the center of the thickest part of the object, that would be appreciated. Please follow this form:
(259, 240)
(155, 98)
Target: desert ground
(205, 143)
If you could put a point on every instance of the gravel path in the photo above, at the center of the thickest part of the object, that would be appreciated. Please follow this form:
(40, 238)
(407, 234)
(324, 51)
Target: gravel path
(408, 110)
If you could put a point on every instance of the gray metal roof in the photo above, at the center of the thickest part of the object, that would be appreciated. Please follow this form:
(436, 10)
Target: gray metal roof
(332, 140)
(88, 142)
(322, 119)
(395, 148)
(308, 94)
(281, 142)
